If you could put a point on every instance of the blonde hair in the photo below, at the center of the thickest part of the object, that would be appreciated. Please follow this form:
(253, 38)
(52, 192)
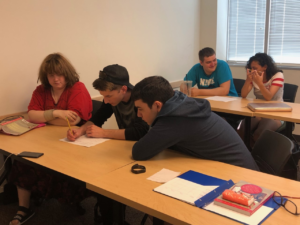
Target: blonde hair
(56, 63)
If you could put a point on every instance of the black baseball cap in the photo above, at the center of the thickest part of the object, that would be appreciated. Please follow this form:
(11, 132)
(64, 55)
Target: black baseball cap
(117, 74)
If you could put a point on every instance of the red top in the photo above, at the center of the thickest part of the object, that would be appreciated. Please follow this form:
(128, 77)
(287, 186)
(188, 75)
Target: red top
(75, 98)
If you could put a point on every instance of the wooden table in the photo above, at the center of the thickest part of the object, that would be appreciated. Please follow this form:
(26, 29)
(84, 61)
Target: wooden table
(136, 191)
(81, 163)
(293, 116)
(239, 107)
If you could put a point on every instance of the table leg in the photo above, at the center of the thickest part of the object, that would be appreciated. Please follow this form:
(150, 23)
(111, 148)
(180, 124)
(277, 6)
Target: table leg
(157, 221)
(247, 134)
(289, 130)
(7, 168)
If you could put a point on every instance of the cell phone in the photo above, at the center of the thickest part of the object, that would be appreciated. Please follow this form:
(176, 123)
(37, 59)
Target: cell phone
(31, 154)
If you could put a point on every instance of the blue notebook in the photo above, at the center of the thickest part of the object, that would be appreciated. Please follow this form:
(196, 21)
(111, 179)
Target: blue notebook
(181, 186)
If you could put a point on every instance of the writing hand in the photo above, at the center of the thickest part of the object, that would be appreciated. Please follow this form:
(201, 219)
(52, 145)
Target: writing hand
(73, 134)
(94, 131)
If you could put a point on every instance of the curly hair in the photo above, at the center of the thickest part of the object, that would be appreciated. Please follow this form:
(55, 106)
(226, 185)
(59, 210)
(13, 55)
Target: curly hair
(264, 59)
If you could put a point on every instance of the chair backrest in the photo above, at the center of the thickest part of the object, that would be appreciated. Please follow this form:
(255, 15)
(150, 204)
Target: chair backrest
(272, 151)
(238, 83)
(289, 92)
(96, 106)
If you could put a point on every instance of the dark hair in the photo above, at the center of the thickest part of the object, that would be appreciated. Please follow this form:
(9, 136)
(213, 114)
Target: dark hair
(151, 89)
(101, 84)
(264, 59)
(206, 52)
(56, 63)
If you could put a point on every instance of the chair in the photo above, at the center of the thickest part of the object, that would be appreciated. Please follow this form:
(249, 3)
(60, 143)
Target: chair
(289, 95)
(238, 83)
(289, 92)
(272, 151)
(96, 106)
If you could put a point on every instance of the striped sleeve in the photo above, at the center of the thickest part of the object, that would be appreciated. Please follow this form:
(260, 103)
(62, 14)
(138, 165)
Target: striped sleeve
(278, 79)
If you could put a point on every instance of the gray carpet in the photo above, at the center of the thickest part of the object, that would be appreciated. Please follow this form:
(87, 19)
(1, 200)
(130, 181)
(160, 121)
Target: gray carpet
(51, 212)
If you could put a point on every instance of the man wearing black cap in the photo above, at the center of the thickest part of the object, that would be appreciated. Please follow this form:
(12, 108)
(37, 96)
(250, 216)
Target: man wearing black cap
(113, 84)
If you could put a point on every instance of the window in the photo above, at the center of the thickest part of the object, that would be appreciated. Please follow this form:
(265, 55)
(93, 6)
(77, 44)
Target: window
(270, 26)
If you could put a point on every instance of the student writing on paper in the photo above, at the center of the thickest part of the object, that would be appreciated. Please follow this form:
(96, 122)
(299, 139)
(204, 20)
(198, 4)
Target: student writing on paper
(113, 84)
(60, 95)
(267, 81)
(186, 125)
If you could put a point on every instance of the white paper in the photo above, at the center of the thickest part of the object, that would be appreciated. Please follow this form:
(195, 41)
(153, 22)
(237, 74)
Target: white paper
(85, 141)
(163, 176)
(254, 219)
(221, 99)
(184, 190)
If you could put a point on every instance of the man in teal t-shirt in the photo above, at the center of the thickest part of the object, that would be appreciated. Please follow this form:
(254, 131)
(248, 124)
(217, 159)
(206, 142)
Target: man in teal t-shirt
(212, 76)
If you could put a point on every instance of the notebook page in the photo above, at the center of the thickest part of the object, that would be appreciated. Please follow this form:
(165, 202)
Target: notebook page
(184, 190)
(221, 99)
(254, 219)
(163, 176)
(85, 141)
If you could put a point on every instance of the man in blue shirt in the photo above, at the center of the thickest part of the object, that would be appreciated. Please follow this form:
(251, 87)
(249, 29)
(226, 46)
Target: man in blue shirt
(212, 76)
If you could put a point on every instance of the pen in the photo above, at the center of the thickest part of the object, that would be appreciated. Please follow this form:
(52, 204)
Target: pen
(69, 124)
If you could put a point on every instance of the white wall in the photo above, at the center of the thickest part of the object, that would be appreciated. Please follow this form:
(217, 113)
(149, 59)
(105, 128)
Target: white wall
(208, 23)
(149, 37)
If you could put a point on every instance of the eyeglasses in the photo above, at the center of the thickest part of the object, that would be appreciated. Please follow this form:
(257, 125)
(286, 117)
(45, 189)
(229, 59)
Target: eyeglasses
(289, 206)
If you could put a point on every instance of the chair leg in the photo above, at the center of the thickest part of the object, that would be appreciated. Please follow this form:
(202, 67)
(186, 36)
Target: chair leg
(80, 210)
(157, 221)
(145, 217)
(7, 169)
(247, 133)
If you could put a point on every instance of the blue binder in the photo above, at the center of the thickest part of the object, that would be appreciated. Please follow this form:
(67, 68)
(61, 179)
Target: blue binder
(203, 179)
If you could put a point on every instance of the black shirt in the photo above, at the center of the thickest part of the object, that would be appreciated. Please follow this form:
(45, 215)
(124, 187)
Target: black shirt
(126, 116)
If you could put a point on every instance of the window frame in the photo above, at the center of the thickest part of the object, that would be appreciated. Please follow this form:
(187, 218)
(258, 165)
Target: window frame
(291, 66)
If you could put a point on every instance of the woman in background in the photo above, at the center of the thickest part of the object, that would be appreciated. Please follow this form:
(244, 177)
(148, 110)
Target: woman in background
(267, 81)
(61, 95)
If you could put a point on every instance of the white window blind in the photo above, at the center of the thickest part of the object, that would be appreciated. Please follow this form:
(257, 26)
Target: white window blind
(284, 34)
(246, 29)
(247, 34)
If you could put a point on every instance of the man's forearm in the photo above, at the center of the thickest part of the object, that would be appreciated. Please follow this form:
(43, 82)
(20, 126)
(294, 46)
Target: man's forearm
(114, 134)
(84, 126)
